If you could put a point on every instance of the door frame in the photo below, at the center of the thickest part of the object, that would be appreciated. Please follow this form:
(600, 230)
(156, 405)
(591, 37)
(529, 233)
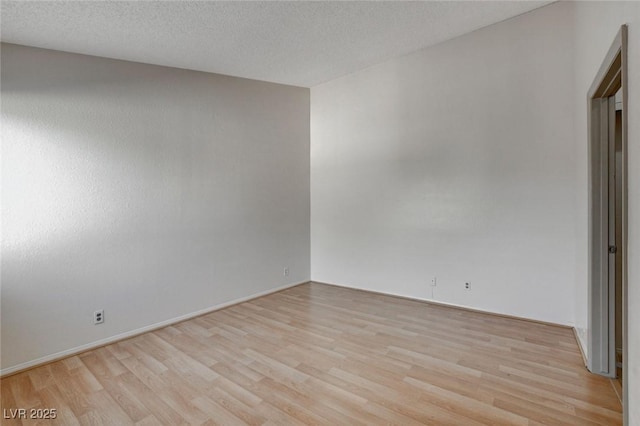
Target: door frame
(611, 76)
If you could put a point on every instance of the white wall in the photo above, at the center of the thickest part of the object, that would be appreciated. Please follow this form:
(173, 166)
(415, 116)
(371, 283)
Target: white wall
(595, 26)
(459, 162)
(150, 192)
(468, 161)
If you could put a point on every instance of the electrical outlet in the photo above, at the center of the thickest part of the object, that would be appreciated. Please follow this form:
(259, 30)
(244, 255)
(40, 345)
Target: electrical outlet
(467, 286)
(98, 316)
(433, 282)
(285, 272)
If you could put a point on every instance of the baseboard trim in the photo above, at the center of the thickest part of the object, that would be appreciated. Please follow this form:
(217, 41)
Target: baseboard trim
(582, 351)
(450, 305)
(129, 334)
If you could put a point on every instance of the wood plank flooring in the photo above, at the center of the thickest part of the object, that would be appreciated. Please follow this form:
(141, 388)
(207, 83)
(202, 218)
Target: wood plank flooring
(318, 354)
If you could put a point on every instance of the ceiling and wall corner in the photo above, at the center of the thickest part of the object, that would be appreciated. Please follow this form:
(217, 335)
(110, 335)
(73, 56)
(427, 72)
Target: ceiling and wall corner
(293, 43)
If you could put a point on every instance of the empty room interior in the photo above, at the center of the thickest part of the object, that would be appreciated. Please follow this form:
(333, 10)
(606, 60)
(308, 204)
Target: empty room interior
(320, 213)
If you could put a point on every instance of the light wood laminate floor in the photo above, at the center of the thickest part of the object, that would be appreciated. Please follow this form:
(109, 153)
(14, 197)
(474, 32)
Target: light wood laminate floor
(318, 354)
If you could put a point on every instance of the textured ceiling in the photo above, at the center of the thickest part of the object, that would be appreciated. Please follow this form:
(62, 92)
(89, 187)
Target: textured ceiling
(296, 43)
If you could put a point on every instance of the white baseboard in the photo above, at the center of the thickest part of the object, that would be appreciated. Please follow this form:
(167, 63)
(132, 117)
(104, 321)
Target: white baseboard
(102, 342)
(581, 345)
(451, 305)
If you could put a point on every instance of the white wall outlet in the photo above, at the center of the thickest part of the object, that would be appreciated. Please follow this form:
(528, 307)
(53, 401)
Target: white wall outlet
(467, 286)
(433, 282)
(285, 272)
(98, 316)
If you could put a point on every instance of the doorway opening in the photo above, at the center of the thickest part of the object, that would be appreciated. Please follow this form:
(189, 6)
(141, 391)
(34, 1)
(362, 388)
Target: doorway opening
(607, 335)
